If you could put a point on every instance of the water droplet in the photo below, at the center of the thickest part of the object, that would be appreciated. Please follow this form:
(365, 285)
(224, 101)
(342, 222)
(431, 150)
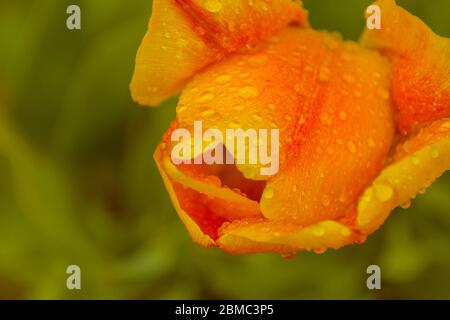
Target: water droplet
(342, 115)
(258, 60)
(222, 79)
(406, 204)
(330, 43)
(182, 42)
(383, 94)
(271, 106)
(207, 113)
(330, 151)
(383, 191)
(207, 97)
(268, 193)
(434, 152)
(231, 26)
(351, 147)
(345, 232)
(257, 117)
(294, 188)
(324, 74)
(248, 92)
(325, 201)
(318, 231)
(445, 126)
(415, 160)
(213, 5)
(325, 118)
(319, 250)
(301, 120)
(167, 35)
(348, 78)
(179, 56)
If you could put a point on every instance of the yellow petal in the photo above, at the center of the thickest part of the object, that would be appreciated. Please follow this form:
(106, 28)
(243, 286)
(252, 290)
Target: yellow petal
(270, 236)
(415, 164)
(185, 36)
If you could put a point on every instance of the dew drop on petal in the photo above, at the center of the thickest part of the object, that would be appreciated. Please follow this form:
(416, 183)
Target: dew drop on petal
(320, 250)
(383, 94)
(445, 126)
(383, 191)
(179, 56)
(207, 97)
(345, 232)
(325, 201)
(268, 193)
(248, 92)
(208, 113)
(213, 6)
(434, 152)
(318, 231)
(271, 106)
(351, 147)
(348, 78)
(406, 205)
(415, 160)
(182, 42)
(330, 151)
(324, 74)
(257, 118)
(222, 79)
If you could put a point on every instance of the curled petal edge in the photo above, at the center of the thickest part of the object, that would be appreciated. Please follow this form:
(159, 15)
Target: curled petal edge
(416, 163)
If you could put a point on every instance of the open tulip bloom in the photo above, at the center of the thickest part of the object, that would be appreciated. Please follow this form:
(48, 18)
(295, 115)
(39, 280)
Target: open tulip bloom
(344, 132)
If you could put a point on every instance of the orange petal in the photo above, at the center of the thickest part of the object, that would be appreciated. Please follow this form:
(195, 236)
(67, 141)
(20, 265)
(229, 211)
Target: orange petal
(328, 98)
(415, 164)
(185, 36)
(201, 201)
(198, 235)
(421, 65)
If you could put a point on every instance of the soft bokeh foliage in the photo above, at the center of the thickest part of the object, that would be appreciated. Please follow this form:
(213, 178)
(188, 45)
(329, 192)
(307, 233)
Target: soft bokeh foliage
(78, 184)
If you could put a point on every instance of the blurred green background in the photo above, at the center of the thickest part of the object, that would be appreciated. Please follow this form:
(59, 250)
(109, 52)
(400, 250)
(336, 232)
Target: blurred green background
(78, 184)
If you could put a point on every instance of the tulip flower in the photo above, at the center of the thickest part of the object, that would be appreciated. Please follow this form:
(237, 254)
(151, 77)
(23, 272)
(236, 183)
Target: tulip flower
(363, 126)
